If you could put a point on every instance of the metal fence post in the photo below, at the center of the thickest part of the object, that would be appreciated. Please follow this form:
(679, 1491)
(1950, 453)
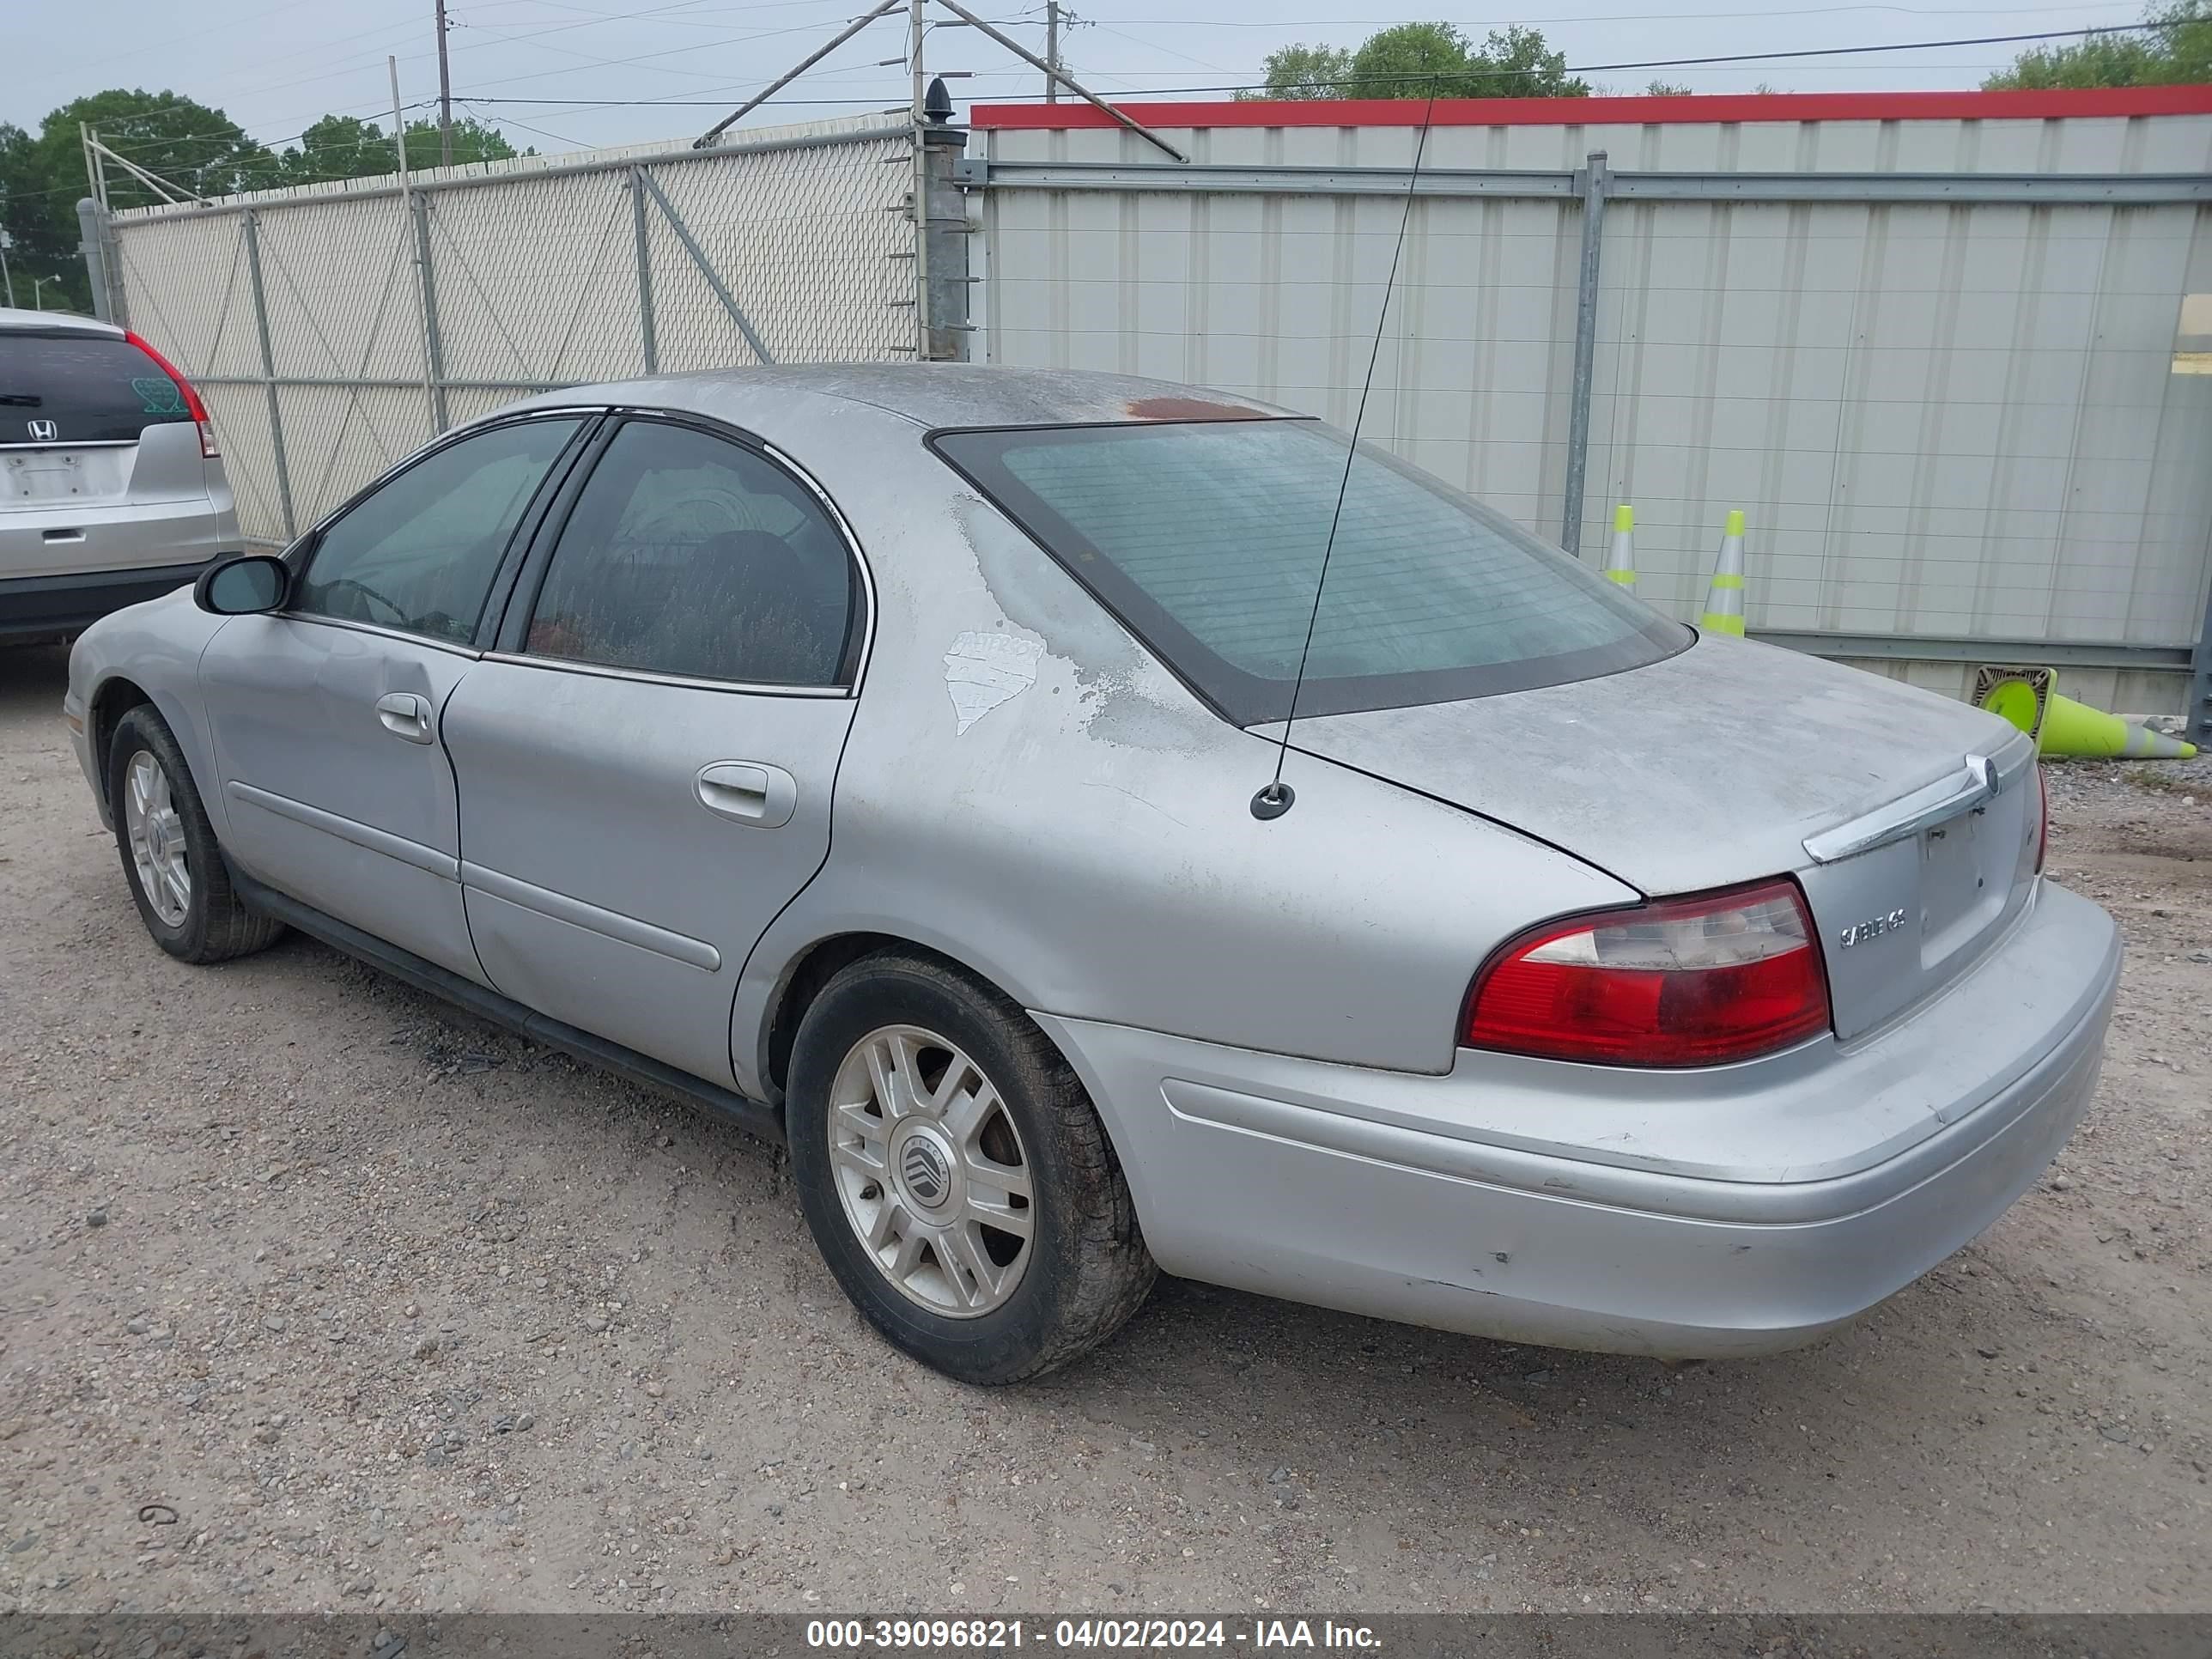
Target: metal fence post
(945, 269)
(651, 345)
(269, 372)
(433, 341)
(1590, 184)
(2198, 720)
(96, 242)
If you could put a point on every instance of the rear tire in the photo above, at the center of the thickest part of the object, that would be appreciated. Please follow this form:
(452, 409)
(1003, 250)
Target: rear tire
(170, 856)
(981, 1225)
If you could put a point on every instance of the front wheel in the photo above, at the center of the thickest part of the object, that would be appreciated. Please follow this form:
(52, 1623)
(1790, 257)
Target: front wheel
(955, 1176)
(170, 858)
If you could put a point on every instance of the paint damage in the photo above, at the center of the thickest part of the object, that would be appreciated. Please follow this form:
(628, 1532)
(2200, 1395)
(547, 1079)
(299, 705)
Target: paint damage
(982, 670)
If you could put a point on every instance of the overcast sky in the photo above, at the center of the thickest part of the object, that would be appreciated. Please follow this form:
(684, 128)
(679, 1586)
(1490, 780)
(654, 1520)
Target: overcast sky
(276, 65)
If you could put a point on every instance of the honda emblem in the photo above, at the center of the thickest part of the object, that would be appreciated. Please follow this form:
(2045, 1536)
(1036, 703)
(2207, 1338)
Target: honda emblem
(42, 432)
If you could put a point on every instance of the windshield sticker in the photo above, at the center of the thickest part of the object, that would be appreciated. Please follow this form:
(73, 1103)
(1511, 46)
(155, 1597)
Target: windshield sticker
(982, 670)
(159, 396)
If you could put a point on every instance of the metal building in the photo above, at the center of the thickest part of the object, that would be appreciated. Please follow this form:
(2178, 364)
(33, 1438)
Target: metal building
(1936, 345)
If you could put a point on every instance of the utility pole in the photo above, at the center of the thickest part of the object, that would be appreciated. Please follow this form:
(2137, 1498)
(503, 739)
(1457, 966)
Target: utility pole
(422, 245)
(913, 32)
(7, 276)
(445, 96)
(1052, 49)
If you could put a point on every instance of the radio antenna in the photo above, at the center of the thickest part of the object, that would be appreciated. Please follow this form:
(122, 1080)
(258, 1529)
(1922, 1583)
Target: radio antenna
(1274, 797)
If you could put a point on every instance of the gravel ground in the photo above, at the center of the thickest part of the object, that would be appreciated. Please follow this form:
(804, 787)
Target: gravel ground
(382, 1309)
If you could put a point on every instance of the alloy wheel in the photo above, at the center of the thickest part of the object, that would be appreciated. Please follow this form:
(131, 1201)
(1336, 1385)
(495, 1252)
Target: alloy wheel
(931, 1171)
(156, 833)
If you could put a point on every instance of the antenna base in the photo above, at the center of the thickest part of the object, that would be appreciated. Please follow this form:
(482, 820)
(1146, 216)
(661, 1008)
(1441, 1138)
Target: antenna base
(1272, 800)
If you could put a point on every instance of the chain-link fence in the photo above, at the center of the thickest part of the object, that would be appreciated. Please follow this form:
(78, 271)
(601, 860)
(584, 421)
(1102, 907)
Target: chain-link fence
(334, 328)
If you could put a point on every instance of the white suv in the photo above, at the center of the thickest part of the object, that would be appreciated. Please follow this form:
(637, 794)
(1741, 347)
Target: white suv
(112, 487)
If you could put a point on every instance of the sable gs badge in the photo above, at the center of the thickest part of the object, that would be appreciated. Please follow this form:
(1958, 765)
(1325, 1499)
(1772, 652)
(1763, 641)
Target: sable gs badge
(1874, 927)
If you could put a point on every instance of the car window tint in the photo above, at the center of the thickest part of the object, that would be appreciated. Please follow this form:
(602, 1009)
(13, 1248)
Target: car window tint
(687, 555)
(82, 389)
(1207, 540)
(420, 553)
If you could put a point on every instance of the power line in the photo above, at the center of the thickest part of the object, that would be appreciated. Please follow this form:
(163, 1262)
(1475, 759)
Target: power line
(1392, 79)
(1279, 24)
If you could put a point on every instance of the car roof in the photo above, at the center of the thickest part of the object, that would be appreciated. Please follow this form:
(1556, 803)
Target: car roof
(15, 319)
(942, 394)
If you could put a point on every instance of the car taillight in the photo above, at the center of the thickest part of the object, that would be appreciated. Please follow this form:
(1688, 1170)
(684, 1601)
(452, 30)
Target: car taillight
(210, 449)
(1687, 981)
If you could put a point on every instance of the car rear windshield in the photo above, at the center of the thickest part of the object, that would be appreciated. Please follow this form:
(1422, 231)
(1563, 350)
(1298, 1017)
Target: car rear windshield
(69, 388)
(1206, 540)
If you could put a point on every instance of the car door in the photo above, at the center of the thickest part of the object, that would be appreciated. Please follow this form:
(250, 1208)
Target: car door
(326, 715)
(645, 761)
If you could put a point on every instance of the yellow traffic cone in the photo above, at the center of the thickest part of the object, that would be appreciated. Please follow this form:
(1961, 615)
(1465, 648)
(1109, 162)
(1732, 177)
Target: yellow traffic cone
(1620, 559)
(1724, 599)
(2067, 728)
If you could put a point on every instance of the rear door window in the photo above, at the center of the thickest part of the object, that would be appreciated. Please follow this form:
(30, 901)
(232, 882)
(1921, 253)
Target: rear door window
(71, 388)
(1206, 540)
(689, 555)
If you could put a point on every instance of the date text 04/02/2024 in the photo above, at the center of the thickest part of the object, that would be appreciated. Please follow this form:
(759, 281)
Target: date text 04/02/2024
(953, 1635)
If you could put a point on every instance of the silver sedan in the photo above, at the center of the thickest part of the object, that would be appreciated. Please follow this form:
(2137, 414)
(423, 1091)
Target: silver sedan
(968, 777)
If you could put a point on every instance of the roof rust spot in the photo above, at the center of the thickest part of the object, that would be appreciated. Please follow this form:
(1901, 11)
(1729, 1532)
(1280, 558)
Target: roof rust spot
(1190, 409)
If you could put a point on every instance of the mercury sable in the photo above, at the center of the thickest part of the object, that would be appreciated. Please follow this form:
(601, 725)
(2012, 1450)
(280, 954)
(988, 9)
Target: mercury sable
(889, 757)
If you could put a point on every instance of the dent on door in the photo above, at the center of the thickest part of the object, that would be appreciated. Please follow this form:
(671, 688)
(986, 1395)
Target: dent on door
(626, 841)
(338, 792)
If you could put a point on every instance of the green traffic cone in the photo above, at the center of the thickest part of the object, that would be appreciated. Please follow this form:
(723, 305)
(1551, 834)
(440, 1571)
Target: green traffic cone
(2075, 729)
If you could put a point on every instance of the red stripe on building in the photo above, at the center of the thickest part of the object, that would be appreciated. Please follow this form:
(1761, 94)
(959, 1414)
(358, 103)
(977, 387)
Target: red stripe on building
(2095, 102)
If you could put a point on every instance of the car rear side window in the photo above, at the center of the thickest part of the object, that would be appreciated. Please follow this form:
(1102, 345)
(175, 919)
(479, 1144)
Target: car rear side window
(69, 388)
(690, 556)
(1206, 540)
(419, 552)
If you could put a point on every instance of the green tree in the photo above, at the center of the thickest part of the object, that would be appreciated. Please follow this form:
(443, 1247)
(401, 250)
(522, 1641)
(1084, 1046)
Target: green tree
(345, 147)
(1302, 72)
(1423, 60)
(2177, 51)
(184, 142)
(21, 221)
(1668, 89)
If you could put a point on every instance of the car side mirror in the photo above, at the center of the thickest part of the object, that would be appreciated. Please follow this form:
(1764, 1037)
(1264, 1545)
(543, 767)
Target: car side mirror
(244, 586)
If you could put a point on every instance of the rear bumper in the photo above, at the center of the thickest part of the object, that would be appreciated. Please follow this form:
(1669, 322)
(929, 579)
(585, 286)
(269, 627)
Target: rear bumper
(34, 606)
(1400, 1197)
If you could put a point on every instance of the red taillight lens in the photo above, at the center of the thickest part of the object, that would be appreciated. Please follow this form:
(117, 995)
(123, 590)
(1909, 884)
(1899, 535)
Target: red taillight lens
(1688, 981)
(209, 447)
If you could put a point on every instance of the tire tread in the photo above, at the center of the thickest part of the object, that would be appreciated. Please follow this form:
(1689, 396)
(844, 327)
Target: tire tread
(1112, 1271)
(220, 926)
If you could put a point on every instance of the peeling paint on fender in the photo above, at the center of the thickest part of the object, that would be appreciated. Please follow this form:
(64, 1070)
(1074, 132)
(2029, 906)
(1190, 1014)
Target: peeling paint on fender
(982, 670)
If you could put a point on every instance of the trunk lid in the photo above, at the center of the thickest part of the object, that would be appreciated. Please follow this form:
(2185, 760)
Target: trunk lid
(1717, 765)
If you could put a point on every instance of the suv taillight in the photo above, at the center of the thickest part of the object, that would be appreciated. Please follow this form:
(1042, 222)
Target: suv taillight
(1684, 981)
(210, 449)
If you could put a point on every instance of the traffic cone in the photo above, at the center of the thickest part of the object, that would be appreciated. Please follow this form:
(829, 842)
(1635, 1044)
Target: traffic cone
(1724, 599)
(1620, 559)
(2063, 728)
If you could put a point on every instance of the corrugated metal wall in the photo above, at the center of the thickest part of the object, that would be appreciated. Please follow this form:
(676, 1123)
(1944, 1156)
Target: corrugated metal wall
(1956, 421)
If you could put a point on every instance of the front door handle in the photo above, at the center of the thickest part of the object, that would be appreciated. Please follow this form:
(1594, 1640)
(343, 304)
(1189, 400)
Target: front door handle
(404, 716)
(748, 793)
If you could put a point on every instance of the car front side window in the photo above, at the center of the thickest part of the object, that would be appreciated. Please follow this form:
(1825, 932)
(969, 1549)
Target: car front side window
(690, 556)
(420, 552)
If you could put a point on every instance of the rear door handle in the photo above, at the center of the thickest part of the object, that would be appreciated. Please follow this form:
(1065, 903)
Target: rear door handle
(404, 716)
(748, 793)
